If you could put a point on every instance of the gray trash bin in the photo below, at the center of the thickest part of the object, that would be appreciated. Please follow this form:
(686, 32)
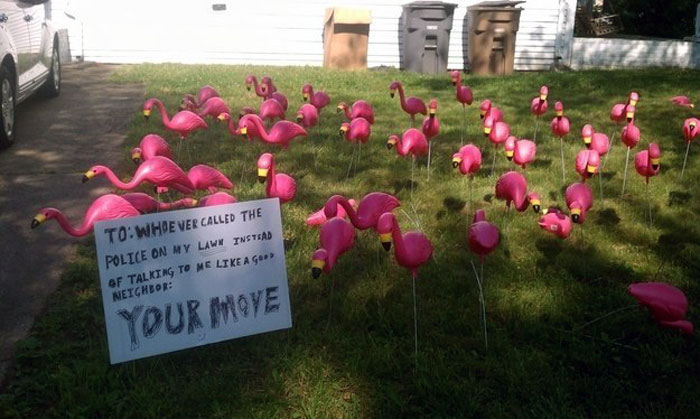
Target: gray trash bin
(425, 27)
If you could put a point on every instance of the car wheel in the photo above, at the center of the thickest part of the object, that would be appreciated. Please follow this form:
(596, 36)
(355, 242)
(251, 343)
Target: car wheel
(7, 107)
(52, 87)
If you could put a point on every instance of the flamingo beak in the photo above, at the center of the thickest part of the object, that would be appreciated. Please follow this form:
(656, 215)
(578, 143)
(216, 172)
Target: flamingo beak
(247, 86)
(221, 117)
(633, 102)
(482, 114)
(317, 268)
(545, 211)
(339, 109)
(456, 161)
(300, 117)
(194, 203)
(386, 241)
(40, 218)
(305, 96)
(536, 205)
(655, 163)
(146, 113)
(560, 113)
(244, 132)
(590, 170)
(691, 105)
(509, 155)
(432, 112)
(587, 141)
(392, 94)
(576, 215)
(487, 131)
(88, 175)
(342, 131)
(390, 143)
(262, 175)
(136, 158)
(543, 98)
(630, 116)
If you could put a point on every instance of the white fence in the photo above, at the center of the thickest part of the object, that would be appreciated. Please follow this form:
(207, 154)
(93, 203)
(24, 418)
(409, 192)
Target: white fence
(629, 53)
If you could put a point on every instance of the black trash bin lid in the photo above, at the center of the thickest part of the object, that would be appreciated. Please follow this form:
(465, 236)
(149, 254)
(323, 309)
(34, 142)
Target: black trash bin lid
(429, 5)
(497, 3)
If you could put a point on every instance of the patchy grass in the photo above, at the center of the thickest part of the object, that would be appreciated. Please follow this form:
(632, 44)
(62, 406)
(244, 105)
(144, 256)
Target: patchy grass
(539, 290)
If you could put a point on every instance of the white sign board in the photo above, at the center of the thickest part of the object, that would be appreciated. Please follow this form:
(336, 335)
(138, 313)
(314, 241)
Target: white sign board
(179, 279)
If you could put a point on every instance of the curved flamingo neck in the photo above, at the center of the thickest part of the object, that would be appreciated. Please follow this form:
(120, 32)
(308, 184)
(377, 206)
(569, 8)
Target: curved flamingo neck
(402, 96)
(163, 113)
(256, 86)
(522, 205)
(68, 228)
(397, 237)
(348, 114)
(116, 181)
(231, 127)
(271, 179)
(261, 131)
(349, 210)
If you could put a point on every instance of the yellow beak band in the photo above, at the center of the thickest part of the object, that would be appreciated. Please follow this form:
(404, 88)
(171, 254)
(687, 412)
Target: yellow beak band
(586, 140)
(590, 169)
(457, 160)
(535, 202)
(630, 115)
(244, 130)
(655, 161)
(146, 112)
(318, 264)
(221, 117)
(89, 174)
(385, 237)
(134, 156)
(482, 112)
(543, 97)
(40, 218)
(262, 172)
(306, 96)
(560, 113)
(432, 111)
(509, 153)
(576, 211)
(392, 141)
(487, 130)
(633, 102)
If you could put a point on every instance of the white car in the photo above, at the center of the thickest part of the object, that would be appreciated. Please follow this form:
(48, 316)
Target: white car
(30, 58)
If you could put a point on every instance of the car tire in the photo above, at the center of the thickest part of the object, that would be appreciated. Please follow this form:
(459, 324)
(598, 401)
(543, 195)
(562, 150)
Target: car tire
(52, 86)
(8, 100)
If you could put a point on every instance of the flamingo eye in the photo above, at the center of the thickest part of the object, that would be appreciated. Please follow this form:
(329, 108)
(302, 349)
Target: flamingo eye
(94, 170)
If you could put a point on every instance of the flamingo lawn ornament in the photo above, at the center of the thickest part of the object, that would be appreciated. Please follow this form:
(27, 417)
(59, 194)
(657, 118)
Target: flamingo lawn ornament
(267, 86)
(467, 161)
(512, 187)
(587, 163)
(279, 185)
(682, 101)
(370, 208)
(319, 98)
(106, 207)
(337, 237)
(630, 136)
(183, 122)
(691, 130)
(307, 115)
(648, 164)
(483, 238)
(319, 217)
(579, 199)
(560, 128)
(538, 107)
(412, 142)
(270, 110)
(356, 131)
(253, 81)
(205, 93)
(521, 152)
(464, 96)
(618, 113)
(599, 142)
(666, 303)
(361, 108)
(280, 134)
(218, 198)
(212, 107)
(486, 109)
(146, 204)
(158, 170)
(207, 178)
(151, 145)
(557, 223)
(411, 105)
(412, 250)
(497, 132)
(431, 127)
(251, 129)
(279, 97)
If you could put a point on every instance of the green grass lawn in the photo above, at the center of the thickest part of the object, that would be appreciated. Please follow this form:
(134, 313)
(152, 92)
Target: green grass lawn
(539, 289)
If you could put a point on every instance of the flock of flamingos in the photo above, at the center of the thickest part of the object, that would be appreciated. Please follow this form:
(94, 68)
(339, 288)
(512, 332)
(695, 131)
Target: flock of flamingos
(375, 210)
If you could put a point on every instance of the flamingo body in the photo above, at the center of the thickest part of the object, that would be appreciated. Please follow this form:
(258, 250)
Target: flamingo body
(587, 163)
(630, 135)
(538, 104)
(666, 303)
(319, 217)
(522, 152)
(412, 142)
(497, 131)
(560, 124)
(251, 129)
(279, 185)
(431, 123)
(595, 140)
(205, 93)
(158, 170)
(467, 159)
(337, 237)
(556, 223)
(411, 105)
(648, 162)
(370, 208)
(280, 134)
(463, 93)
(412, 249)
(213, 107)
(151, 145)
(319, 99)
(204, 177)
(579, 199)
(183, 122)
(483, 236)
(357, 130)
(682, 101)
(360, 108)
(146, 204)
(218, 198)
(270, 110)
(307, 115)
(691, 129)
(512, 187)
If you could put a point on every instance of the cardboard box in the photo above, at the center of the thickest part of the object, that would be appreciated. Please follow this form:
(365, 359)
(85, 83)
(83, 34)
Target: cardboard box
(345, 36)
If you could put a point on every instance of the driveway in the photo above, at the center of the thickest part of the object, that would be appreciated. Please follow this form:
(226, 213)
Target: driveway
(57, 140)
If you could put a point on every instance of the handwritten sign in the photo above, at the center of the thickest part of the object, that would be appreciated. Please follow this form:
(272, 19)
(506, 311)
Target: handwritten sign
(187, 278)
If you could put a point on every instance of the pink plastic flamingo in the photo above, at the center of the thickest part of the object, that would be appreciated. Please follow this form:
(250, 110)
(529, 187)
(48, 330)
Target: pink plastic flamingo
(158, 170)
(147, 204)
(431, 127)
(512, 187)
(691, 130)
(280, 134)
(412, 250)
(218, 198)
(538, 107)
(319, 217)
(106, 207)
(337, 237)
(182, 122)
(411, 105)
(360, 108)
(521, 152)
(270, 110)
(207, 178)
(319, 99)
(279, 97)
(212, 107)
(618, 113)
(630, 136)
(599, 142)
(486, 109)
(370, 208)
(356, 131)
(307, 115)
(151, 145)
(251, 129)
(205, 93)
(497, 132)
(682, 101)
(557, 223)
(666, 303)
(647, 162)
(467, 159)
(252, 80)
(587, 163)
(560, 128)
(464, 96)
(483, 238)
(412, 142)
(279, 185)
(579, 199)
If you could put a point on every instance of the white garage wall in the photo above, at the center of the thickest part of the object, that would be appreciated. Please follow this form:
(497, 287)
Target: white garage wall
(276, 32)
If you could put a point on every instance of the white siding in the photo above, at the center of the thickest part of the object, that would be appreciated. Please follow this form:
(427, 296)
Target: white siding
(276, 32)
(626, 53)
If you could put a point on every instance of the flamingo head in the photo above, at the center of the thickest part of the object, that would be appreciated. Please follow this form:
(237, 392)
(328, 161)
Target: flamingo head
(629, 111)
(268, 81)
(341, 107)
(576, 212)
(249, 81)
(455, 77)
(488, 125)
(559, 109)
(136, 155)
(306, 92)
(634, 98)
(392, 88)
(300, 116)
(509, 147)
(147, 107)
(654, 155)
(224, 116)
(690, 129)
(534, 199)
(263, 87)
(587, 134)
(544, 91)
(456, 160)
(318, 262)
(188, 103)
(385, 225)
(43, 215)
(92, 172)
(432, 107)
(592, 163)
(484, 108)
(344, 128)
(393, 140)
(188, 202)
(265, 162)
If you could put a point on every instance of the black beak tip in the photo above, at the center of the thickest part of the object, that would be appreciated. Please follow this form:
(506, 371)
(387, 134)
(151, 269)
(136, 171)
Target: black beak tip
(35, 223)
(85, 179)
(536, 208)
(486, 135)
(145, 117)
(136, 160)
(248, 88)
(306, 99)
(391, 94)
(386, 246)
(655, 166)
(299, 119)
(315, 272)
(388, 146)
(629, 120)
(481, 116)
(510, 158)
(338, 110)
(455, 164)
(576, 218)
(454, 83)
(262, 179)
